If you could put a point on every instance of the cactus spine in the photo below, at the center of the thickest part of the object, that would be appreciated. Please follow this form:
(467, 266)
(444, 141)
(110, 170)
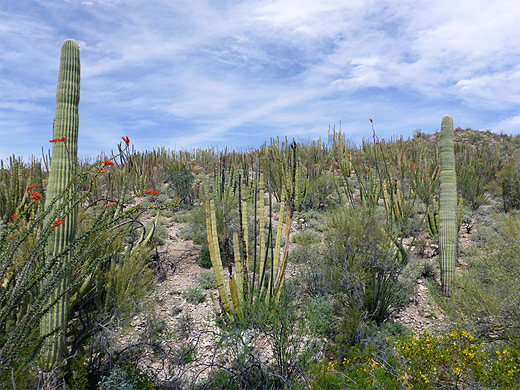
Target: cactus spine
(62, 169)
(448, 206)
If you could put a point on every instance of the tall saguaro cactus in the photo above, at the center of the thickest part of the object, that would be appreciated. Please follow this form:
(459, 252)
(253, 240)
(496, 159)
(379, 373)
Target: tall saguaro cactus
(63, 168)
(448, 229)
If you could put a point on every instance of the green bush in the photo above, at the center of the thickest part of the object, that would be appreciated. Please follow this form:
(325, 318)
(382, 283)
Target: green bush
(476, 169)
(128, 378)
(456, 360)
(194, 294)
(207, 280)
(453, 361)
(180, 180)
(486, 292)
(184, 354)
(509, 179)
(363, 267)
(319, 312)
(204, 259)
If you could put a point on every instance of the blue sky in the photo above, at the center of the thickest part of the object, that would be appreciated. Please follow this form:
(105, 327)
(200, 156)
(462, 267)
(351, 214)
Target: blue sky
(187, 74)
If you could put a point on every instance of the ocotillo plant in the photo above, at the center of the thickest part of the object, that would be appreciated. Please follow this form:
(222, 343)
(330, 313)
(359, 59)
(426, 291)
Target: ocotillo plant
(63, 168)
(448, 206)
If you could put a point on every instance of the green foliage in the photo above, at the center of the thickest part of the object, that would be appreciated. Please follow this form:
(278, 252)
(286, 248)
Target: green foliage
(319, 312)
(180, 181)
(128, 378)
(455, 360)
(185, 354)
(160, 232)
(476, 170)
(487, 294)
(207, 280)
(362, 264)
(204, 259)
(509, 179)
(194, 294)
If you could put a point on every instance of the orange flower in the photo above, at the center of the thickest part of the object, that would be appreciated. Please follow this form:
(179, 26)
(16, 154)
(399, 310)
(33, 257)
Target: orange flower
(356, 199)
(337, 170)
(35, 195)
(126, 139)
(58, 222)
(101, 170)
(28, 188)
(371, 121)
(152, 192)
(108, 162)
(111, 203)
(14, 216)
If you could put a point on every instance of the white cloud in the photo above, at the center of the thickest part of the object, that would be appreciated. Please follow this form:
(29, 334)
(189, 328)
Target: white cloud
(214, 68)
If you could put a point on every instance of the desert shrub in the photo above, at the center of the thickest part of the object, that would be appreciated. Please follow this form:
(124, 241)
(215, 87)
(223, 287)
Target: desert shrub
(160, 233)
(185, 325)
(363, 266)
(306, 238)
(319, 313)
(180, 180)
(476, 169)
(207, 280)
(128, 378)
(509, 179)
(195, 228)
(194, 294)
(486, 295)
(319, 189)
(315, 220)
(185, 353)
(204, 259)
(455, 360)
(306, 248)
(315, 281)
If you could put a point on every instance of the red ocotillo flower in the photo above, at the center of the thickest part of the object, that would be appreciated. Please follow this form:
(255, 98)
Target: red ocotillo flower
(126, 139)
(58, 139)
(35, 195)
(29, 188)
(108, 162)
(58, 222)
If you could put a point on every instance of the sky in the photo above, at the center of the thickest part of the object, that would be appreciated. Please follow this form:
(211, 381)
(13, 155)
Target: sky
(188, 74)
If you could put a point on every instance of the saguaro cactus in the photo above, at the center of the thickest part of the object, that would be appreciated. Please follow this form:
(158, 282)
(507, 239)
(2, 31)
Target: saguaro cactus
(63, 168)
(448, 232)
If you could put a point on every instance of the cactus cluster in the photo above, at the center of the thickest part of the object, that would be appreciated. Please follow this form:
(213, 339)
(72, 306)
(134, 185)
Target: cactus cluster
(254, 261)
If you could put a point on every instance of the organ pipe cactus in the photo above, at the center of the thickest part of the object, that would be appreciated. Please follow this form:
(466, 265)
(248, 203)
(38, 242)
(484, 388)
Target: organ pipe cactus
(432, 216)
(448, 206)
(62, 169)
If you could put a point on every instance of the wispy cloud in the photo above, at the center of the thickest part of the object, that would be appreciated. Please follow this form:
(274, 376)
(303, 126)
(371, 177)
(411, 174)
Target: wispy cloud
(203, 73)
